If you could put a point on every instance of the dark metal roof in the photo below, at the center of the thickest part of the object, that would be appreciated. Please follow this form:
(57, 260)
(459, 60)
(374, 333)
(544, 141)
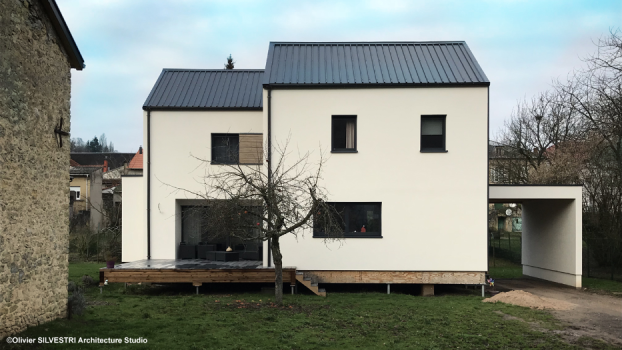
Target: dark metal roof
(56, 17)
(115, 159)
(304, 64)
(207, 89)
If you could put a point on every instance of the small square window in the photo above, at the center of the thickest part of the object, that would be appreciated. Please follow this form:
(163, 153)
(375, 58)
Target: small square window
(76, 192)
(433, 133)
(343, 133)
(225, 148)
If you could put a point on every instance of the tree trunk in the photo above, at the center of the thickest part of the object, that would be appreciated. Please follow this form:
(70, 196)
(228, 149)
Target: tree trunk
(278, 270)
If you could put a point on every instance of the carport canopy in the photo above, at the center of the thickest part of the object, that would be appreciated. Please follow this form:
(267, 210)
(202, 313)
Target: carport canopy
(552, 229)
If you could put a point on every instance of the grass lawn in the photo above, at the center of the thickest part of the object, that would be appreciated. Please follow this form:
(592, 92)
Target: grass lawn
(504, 269)
(175, 318)
(609, 286)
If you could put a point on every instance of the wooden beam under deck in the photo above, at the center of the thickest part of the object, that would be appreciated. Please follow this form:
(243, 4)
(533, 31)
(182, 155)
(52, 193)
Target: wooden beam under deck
(194, 276)
(397, 277)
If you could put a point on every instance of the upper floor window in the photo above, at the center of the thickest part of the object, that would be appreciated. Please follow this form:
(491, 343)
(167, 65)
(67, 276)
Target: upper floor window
(343, 133)
(433, 133)
(225, 148)
(237, 148)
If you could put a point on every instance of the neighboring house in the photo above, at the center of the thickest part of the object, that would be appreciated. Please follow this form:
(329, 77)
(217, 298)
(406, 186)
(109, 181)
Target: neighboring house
(506, 165)
(406, 128)
(38, 53)
(505, 217)
(86, 191)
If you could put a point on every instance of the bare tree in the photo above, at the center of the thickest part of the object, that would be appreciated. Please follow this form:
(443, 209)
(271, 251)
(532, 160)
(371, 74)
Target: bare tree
(263, 203)
(573, 134)
(537, 131)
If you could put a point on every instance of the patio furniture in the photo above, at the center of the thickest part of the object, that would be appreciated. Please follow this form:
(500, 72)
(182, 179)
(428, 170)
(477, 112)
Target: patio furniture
(223, 256)
(187, 251)
(252, 251)
(203, 249)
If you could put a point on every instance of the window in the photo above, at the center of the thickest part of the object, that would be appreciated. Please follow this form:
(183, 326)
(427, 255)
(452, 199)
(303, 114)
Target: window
(433, 133)
(344, 133)
(358, 220)
(225, 148)
(76, 190)
(237, 149)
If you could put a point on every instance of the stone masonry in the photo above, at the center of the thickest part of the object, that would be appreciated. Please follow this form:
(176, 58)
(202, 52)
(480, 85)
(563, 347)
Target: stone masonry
(35, 87)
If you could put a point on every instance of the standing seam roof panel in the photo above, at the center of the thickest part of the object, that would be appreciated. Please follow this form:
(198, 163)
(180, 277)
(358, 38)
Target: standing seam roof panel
(444, 64)
(368, 63)
(179, 89)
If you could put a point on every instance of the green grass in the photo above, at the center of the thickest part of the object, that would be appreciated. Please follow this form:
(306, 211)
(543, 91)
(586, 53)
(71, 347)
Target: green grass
(504, 269)
(175, 318)
(609, 286)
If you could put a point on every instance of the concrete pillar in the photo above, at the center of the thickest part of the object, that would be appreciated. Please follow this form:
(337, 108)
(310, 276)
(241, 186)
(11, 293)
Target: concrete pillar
(427, 290)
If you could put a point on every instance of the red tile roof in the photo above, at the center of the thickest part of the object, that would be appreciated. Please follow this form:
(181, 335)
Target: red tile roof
(137, 161)
(73, 163)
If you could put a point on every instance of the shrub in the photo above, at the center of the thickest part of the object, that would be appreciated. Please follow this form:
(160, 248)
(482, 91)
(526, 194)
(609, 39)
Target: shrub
(87, 280)
(76, 304)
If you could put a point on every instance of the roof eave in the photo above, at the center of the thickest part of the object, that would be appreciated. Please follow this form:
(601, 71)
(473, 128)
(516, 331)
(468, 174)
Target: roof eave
(58, 22)
(373, 85)
(222, 109)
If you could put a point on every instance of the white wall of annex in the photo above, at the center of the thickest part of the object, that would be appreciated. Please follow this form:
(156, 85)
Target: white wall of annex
(177, 137)
(134, 211)
(434, 205)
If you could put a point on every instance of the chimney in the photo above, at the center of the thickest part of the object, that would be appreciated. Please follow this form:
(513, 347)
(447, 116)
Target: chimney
(105, 165)
(140, 150)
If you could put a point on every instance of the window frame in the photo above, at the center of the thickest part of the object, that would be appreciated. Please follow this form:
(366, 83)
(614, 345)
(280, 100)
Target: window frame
(332, 129)
(443, 118)
(355, 234)
(73, 189)
(212, 148)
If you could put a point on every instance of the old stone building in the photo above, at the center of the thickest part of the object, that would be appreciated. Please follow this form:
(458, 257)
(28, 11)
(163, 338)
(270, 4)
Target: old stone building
(37, 53)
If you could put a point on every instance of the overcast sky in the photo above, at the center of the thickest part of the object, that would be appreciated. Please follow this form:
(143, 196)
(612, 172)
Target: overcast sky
(521, 45)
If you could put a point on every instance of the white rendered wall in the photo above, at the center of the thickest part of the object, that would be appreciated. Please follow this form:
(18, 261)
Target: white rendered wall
(176, 138)
(134, 230)
(434, 205)
(552, 230)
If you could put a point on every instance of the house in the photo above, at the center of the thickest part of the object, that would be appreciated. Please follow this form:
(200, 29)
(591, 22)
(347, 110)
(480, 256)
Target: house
(406, 128)
(94, 176)
(38, 53)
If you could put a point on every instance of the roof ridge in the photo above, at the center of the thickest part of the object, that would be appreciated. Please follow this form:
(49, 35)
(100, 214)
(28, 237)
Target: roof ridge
(369, 42)
(211, 70)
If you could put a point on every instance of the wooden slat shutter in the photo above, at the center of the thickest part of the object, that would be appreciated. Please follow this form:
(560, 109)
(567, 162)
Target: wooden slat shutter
(251, 148)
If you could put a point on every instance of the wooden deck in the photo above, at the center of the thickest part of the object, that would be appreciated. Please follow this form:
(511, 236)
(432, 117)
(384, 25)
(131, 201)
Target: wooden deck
(198, 271)
(194, 271)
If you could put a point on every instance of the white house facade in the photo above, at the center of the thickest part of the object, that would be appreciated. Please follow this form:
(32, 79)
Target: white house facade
(405, 128)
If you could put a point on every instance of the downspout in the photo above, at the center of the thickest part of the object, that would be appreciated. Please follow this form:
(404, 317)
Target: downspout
(269, 165)
(148, 184)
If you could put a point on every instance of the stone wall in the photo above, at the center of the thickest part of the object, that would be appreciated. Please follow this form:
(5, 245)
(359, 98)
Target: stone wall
(34, 172)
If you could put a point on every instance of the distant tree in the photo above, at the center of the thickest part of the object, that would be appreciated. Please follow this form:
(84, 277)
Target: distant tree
(103, 141)
(94, 145)
(77, 145)
(230, 62)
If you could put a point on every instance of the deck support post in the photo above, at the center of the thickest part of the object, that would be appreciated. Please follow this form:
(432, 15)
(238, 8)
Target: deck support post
(293, 289)
(482, 290)
(427, 290)
(101, 289)
(388, 288)
(197, 290)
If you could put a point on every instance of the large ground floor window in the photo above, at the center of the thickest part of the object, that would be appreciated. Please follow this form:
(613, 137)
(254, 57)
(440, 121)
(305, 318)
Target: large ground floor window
(196, 229)
(358, 220)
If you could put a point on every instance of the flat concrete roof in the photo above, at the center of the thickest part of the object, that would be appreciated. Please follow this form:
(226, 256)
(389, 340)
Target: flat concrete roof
(519, 193)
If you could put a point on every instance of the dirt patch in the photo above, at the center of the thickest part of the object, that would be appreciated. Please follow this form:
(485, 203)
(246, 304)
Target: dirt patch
(592, 315)
(526, 299)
